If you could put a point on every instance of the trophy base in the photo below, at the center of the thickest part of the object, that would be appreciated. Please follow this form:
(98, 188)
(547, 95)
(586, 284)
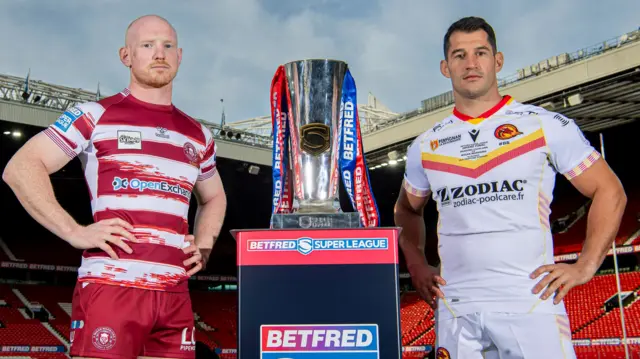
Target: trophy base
(315, 220)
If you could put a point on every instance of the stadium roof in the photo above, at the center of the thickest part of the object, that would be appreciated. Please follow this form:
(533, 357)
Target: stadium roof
(605, 102)
(371, 115)
(608, 102)
(596, 104)
(382, 119)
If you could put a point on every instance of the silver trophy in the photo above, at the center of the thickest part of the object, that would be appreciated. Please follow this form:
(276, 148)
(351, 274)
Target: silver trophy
(315, 89)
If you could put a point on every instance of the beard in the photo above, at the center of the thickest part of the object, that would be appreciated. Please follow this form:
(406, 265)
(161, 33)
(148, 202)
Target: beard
(155, 78)
(474, 92)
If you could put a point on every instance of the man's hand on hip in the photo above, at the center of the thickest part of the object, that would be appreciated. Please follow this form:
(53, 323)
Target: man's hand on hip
(426, 280)
(199, 257)
(561, 278)
(100, 234)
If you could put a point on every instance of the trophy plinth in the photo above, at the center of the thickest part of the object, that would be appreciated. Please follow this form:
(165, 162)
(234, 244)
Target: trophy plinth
(315, 220)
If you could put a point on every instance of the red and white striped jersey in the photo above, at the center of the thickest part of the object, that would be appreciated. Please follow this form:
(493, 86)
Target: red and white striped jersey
(492, 178)
(141, 162)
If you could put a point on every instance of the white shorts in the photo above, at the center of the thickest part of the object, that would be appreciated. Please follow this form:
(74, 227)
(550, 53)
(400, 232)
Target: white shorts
(504, 336)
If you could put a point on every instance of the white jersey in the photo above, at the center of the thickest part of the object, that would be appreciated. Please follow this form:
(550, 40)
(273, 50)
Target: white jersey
(492, 178)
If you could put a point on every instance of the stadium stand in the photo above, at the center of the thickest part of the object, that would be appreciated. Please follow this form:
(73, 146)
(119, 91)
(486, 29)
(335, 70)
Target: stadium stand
(593, 311)
(35, 356)
(571, 241)
(216, 316)
(606, 324)
(19, 328)
(218, 313)
(586, 306)
(52, 298)
(592, 307)
(417, 318)
(65, 255)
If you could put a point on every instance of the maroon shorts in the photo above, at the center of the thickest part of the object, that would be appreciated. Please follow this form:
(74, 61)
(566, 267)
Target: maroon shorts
(114, 322)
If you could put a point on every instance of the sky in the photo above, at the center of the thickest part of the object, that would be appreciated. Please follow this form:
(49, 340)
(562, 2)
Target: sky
(232, 48)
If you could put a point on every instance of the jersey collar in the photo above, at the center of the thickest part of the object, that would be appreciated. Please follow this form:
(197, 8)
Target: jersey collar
(163, 108)
(506, 100)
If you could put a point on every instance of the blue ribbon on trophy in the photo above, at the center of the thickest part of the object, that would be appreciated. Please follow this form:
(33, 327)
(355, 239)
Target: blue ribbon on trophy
(355, 173)
(323, 142)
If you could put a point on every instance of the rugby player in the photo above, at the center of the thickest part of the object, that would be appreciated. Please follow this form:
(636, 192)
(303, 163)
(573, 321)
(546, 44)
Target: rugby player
(142, 158)
(491, 167)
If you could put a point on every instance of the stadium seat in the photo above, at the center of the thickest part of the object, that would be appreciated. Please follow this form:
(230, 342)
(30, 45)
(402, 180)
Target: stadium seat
(572, 240)
(585, 304)
(50, 297)
(34, 355)
(54, 250)
(19, 330)
(218, 311)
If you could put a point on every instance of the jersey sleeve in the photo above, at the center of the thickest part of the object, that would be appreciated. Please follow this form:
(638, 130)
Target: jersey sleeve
(73, 129)
(570, 152)
(415, 179)
(208, 163)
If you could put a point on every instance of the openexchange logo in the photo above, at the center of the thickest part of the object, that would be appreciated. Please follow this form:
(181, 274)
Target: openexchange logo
(140, 185)
(306, 245)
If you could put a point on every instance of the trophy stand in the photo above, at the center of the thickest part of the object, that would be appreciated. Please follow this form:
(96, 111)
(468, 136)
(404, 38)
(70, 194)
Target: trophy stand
(315, 220)
(317, 283)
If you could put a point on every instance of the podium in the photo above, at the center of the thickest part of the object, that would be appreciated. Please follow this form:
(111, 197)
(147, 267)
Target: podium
(318, 293)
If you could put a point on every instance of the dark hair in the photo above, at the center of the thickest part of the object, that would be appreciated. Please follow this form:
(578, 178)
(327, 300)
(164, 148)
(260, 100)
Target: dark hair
(470, 24)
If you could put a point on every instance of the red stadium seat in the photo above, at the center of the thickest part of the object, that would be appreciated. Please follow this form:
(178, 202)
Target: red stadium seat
(572, 240)
(586, 303)
(218, 311)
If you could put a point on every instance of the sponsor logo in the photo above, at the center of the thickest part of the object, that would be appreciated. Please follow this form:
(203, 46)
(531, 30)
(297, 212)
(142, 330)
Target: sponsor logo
(563, 120)
(442, 353)
(142, 185)
(474, 134)
(68, 118)
(77, 324)
(31, 349)
(481, 193)
(444, 141)
(566, 257)
(162, 132)
(306, 245)
(442, 125)
(606, 341)
(188, 341)
(314, 139)
(129, 140)
(506, 131)
(521, 113)
(103, 338)
(475, 149)
(331, 340)
(581, 342)
(315, 222)
(280, 194)
(190, 152)
(316, 136)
